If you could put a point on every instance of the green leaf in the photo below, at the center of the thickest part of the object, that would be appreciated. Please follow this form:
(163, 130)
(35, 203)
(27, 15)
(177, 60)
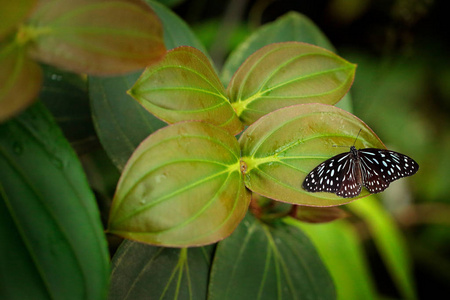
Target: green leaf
(12, 13)
(285, 74)
(176, 31)
(53, 244)
(20, 80)
(24, 282)
(146, 272)
(96, 37)
(259, 261)
(281, 148)
(340, 248)
(184, 86)
(390, 243)
(65, 96)
(121, 122)
(181, 187)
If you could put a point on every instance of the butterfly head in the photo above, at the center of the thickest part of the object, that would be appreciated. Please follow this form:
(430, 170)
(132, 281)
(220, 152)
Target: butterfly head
(354, 151)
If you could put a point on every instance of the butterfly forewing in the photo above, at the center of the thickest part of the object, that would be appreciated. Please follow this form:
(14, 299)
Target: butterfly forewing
(380, 167)
(327, 177)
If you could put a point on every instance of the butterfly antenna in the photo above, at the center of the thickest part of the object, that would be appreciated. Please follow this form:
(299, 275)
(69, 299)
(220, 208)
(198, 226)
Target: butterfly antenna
(357, 137)
(353, 142)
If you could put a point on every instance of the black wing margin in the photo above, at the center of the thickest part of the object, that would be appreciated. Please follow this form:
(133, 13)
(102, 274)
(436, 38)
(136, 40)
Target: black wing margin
(380, 167)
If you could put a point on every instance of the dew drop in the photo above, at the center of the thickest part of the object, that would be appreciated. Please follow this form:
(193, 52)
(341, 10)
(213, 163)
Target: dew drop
(160, 177)
(56, 77)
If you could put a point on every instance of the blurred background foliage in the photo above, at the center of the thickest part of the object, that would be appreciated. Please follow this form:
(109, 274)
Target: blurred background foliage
(401, 91)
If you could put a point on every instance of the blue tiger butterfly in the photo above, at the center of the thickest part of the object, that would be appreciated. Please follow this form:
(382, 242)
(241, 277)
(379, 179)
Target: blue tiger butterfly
(346, 173)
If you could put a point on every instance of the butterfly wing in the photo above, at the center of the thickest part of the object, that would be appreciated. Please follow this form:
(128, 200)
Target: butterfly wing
(379, 167)
(326, 177)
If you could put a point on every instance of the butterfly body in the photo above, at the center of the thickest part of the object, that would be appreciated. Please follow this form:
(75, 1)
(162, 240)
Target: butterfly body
(345, 174)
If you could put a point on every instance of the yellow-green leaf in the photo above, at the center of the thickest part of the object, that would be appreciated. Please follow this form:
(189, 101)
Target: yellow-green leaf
(281, 148)
(94, 36)
(181, 187)
(285, 74)
(184, 86)
(20, 81)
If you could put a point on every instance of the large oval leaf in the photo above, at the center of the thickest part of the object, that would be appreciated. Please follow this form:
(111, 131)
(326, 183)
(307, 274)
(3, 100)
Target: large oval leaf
(281, 148)
(147, 272)
(184, 86)
(96, 37)
(20, 79)
(263, 262)
(285, 74)
(181, 187)
(52, 240)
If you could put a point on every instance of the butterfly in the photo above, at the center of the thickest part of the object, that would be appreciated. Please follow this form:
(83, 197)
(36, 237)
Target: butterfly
(346, 173)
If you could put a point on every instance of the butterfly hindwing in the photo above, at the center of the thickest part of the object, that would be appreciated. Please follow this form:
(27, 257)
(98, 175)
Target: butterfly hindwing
(326, 177)
(379, 167)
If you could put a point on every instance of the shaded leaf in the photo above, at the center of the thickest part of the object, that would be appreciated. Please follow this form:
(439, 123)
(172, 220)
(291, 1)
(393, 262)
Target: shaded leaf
(183, 86)
(311, 214)
(53, 245)
(65, 95)
(340, 248)
(20, 81)
(147, 272)
(390, 243)
(176, 31)
(181, 187)
(262, 262)
(96, 37)
(170, 3)
(12, 13)
(122, 123)
(285, 74)
(24, 282)
(281, 148)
